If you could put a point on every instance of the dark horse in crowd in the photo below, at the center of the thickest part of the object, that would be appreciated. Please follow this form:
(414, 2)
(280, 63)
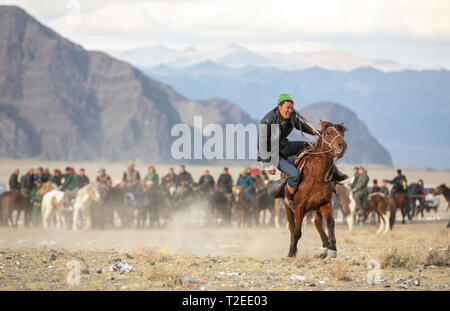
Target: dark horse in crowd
(14, 200)
(315, 190)
(399, 200)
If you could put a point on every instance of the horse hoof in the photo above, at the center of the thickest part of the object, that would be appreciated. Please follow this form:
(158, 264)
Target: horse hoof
(332, 253)
(323, 255)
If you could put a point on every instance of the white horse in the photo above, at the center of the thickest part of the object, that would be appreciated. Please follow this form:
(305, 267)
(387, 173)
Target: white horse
(348, 204)
(53, 205)
(82, 208)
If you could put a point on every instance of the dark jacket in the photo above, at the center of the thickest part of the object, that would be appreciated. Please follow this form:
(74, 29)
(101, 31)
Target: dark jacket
(225, 183)
(264, 134)
(57, 180)
(206, 183)
(184, 177)
(14, 182)
(81, 181)
(400, 183)
(169, 179)
(27, 181)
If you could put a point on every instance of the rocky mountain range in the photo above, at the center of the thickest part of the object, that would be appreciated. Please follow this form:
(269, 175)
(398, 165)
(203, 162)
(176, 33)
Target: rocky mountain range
(61, 102)
(407, 111)
(238, 56)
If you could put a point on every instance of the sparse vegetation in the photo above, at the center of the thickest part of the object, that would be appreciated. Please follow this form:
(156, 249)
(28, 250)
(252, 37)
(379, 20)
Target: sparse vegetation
(338, 271)
(438, 258)
(397, 259)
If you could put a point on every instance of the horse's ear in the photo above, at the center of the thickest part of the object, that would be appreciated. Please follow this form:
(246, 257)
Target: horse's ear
(322, 126)
(342, 128)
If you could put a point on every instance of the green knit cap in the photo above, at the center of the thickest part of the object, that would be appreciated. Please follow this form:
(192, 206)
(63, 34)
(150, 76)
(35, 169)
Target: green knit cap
(283, 97)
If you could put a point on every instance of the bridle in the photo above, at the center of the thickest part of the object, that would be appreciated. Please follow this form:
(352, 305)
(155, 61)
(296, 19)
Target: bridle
(329, 144)
(331, 149)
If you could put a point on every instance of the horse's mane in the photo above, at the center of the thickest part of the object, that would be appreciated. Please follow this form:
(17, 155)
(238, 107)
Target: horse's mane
(340, 127)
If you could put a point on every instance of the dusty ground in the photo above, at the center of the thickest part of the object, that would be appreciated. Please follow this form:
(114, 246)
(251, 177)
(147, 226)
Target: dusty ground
(412, 257)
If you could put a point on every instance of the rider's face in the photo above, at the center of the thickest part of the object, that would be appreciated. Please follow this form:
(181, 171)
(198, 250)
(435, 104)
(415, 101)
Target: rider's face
(286, 109)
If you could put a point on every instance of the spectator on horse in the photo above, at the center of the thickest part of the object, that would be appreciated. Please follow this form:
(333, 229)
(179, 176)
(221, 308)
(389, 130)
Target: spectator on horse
(57, 177)
(245, 181)
(283, 117)
(375, 187)
(206, 182)
(36, 200)
(354, 178)
(151, 179)
(27, 183)
(81, 179)
(400, 184)
(131, 177)
(184, 181)
(384, 189)
(360, 190)
(39, 175)
(169, 179)
(225, 182)
(14, 184)
(103, 180)
(46, 176)
(69, 186)
(69, 180)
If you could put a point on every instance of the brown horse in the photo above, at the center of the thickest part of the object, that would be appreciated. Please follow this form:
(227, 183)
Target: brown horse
(445, 191)
(314, 192)
(240, 206)
(379, 203)
(401, 202)
(13, 200)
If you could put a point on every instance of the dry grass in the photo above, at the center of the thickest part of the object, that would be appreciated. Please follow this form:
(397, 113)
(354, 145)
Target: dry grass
(303, 260)
(397, 259)
(438, 258)
(338, 271)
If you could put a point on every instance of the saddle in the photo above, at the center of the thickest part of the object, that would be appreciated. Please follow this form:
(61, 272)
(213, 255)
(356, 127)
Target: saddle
(276, 188)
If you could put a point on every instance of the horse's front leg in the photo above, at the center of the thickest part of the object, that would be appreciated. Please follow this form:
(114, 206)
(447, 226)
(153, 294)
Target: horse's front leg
(327, 212)
(19, 211)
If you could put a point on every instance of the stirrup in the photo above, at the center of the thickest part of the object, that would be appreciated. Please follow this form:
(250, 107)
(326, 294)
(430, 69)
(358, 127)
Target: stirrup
(289, 197)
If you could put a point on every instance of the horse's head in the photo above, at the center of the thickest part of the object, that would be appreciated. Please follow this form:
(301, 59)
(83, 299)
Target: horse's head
(438, 190)
(94, 193)
(46, 187)
(333, 136)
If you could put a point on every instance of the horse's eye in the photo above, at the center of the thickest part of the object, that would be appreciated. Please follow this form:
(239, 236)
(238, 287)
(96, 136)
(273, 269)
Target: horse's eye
(328, 133)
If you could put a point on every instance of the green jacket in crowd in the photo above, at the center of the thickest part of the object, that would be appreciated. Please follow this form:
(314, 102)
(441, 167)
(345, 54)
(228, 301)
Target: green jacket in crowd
(152, 178)
(35, 198)
(69, 182)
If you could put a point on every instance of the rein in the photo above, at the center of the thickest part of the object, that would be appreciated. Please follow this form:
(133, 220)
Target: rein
(327, 177)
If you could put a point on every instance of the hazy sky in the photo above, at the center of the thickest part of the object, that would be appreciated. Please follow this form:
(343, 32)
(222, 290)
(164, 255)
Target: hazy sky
(408, 31)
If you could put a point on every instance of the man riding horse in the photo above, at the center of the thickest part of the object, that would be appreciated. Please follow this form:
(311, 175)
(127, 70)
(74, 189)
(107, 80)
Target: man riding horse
(286, 120)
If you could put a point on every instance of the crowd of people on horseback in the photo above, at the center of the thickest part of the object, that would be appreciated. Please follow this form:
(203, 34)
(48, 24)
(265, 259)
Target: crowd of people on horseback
(141, 201)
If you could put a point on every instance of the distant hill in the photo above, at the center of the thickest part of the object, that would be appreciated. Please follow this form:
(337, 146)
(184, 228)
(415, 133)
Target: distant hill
(407, 111)
(362, 146)
(59, 101)
(237, 56)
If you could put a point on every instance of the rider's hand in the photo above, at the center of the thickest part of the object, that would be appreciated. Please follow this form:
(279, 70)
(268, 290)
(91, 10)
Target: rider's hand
(271, 170)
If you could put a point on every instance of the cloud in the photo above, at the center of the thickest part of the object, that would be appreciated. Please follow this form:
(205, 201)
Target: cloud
(256, 19)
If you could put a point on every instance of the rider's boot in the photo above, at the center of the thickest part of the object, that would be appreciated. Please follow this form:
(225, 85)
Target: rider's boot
(336, 175)
(289, 197)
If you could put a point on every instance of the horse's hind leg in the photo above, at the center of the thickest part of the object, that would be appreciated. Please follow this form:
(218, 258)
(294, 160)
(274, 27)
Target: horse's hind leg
(327, 213)
(291, 221)
(318, 221)
(382, 222)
